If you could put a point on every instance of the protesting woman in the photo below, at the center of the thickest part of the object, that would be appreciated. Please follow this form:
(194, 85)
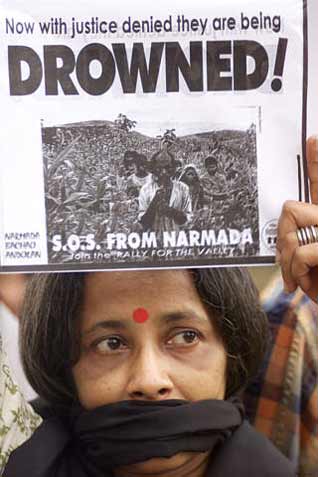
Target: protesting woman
(138, 374)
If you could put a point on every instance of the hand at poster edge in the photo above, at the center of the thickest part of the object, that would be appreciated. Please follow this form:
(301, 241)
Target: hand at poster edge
(299, 264)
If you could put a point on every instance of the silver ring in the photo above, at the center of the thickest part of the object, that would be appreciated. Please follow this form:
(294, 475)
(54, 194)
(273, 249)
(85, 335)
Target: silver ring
(299, 237)
(307, 235)
(314, 233)
(304, 235)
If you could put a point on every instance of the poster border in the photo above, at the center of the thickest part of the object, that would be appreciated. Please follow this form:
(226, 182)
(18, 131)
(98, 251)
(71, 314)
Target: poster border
(305, 99)
(244, 261)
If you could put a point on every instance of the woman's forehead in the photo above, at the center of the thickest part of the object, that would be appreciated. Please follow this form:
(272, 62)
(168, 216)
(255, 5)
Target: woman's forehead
(143, 282)
(139, 288)
(161, 294)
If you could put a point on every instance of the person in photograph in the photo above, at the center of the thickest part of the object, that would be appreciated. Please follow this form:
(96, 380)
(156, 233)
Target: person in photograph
(129, 162)
(140, 176)
(179, 169)
(164, 203)
(213, 181)
(190, 176)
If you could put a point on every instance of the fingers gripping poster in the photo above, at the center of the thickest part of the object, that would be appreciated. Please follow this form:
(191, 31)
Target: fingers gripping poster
(149, 134)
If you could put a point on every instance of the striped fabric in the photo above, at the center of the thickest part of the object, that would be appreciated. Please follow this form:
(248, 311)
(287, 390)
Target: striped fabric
(282, 402)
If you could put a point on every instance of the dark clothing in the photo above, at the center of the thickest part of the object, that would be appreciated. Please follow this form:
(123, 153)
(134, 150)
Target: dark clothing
(94, 442)
(249, 454)
(195, 188)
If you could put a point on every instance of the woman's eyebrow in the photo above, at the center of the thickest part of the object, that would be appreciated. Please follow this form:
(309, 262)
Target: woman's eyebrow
(107, 325)
(175, 316)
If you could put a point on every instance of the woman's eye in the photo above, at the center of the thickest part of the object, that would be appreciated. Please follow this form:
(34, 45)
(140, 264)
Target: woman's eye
(186, 337)
(110, 344)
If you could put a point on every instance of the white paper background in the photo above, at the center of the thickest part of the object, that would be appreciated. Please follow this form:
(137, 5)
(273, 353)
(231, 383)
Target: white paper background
(279, 142)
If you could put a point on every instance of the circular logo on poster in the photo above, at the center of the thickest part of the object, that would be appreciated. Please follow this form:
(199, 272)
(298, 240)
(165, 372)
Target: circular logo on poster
(269, 235)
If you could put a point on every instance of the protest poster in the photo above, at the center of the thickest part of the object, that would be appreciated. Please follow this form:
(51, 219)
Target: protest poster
(151, 135)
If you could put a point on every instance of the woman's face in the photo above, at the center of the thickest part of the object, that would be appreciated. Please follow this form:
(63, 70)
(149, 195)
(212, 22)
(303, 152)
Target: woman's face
(212, 168)
(174, 354)
(191, 176)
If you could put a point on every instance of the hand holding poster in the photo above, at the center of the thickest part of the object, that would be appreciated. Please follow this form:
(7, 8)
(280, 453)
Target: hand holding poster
(168, 135)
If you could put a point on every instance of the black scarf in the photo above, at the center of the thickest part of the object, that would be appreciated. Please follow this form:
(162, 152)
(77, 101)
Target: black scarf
(94, 442)
(132, 431)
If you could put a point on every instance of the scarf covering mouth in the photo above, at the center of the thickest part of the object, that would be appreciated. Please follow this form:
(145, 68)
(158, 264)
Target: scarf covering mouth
(124, 433)
(134, 431)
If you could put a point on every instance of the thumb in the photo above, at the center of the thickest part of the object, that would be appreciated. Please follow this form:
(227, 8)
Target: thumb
(312, 166)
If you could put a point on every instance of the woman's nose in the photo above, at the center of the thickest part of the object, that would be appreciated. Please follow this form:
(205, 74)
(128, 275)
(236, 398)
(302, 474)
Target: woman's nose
(149, 379)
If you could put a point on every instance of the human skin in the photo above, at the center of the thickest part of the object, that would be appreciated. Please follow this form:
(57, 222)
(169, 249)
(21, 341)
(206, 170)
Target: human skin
(212, 169)
(141, 170)
(191, 177)
(175, 354)
(164, 170)
(299, 264)
(12, 288)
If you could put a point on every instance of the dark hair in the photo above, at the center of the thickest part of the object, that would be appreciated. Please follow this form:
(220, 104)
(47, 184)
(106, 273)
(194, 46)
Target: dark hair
(210, 160)
(130, 156)
(183, 177)
(155, 158)
(50, 335)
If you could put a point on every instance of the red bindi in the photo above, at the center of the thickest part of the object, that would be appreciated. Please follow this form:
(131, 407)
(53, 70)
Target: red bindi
(140, 315)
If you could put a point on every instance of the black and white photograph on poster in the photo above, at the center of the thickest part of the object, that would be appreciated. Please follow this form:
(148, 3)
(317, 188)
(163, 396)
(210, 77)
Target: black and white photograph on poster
(123, 191)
